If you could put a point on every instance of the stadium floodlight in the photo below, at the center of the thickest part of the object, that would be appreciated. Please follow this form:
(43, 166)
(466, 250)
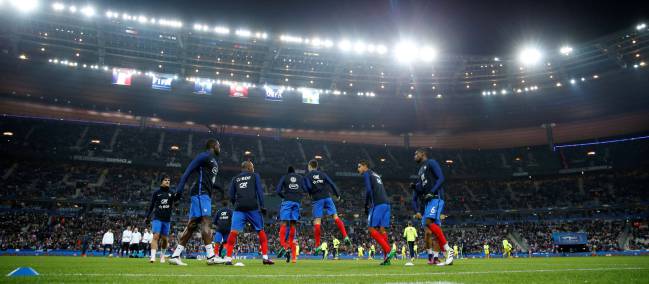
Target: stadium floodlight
(222, 30)
(88, 11)
(142, 19)
(405, 51)
(530, 56)
(565, 50)
(58, 6)
(243, 33)
(345, 45)
(360, 47)
(641, 26)
(381, 49)
(573, 81)
(427, 54)
(328, 43)
(73, 9)
(25, 6)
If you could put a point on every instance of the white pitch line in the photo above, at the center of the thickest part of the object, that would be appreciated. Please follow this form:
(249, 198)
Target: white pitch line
(341, 275)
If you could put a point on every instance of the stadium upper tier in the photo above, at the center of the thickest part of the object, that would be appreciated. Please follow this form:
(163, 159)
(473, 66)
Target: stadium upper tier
(354, 86)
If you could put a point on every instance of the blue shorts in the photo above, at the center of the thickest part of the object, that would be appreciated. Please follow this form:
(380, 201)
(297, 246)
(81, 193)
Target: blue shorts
(160, 227)
(240, 218)
(433, 211)
(201, 205)
(323, 204)
(290, 211)
(221, 237)
(379, 216)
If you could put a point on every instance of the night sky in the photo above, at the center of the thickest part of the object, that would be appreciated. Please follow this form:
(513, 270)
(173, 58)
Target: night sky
(455, 27)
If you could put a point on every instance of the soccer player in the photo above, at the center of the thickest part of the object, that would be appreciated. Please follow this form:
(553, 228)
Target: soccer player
(247, 195)
(336, 244)
(410, 234)
(324, 248)
(403, 252)
(146, 242)
(162, 202)
(429, 186)
(360, 251)
(377, 209)
(372, 252)
(206, 168)
(136, 238)
(416, 249)
(507, 249)
(222, 221)
(318, 184)
(486, 250)
(107, 242)
(126, 240)
(457, 251)
(290, 188)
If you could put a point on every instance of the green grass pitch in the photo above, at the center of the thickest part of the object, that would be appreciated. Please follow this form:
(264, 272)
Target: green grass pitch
(536, 270)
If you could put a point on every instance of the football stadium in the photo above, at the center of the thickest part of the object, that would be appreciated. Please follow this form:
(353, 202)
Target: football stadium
(324, 141)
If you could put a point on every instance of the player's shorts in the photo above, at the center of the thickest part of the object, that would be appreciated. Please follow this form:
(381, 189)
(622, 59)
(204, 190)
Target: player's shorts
(433, 211)
(221, 237)
(240, 218)
(160, 227)
(290, 211)
(323, 204)
(379, 216)
(201, 205)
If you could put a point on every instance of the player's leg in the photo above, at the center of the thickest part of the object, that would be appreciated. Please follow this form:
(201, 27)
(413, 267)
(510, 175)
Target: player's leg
(257, 221)
(411, 249)
(317, 213)
(330, 208)
(164, 244)
(238, 222)
(192, 225)
(436, 248)
(282, 235)
(291, 240)
(206, 235)
(154, 246)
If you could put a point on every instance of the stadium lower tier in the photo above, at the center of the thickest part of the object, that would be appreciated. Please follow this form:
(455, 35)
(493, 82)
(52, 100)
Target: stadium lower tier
(38, 230)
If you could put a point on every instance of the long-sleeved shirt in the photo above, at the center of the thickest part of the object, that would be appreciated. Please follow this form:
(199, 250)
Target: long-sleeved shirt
(223, 220)
(429, 181)
(374, 191)
(161, 205)
(291, 187)
(108, 239)
(246, 192)
(410, 233)
(126, 236)
(318, 184)
(136, 238)
(206, 168)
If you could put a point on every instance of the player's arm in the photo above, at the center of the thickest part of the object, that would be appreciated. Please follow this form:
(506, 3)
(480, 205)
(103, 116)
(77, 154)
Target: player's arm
(190, 169)
(150, 210)
(260, 193)
(232, 192)
(332, 184)
(437, 170)
(307, 184)
(280, 187)
(368, 191)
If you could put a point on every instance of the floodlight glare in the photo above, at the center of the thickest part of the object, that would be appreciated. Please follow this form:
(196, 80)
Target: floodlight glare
(530, 56)
(565, 50)
(381, 49)
(58, 6)
(88, 11)
(359, 47)
(345, 45)
(405, 52)
(641, 26)
(25, 6)
(427, 54)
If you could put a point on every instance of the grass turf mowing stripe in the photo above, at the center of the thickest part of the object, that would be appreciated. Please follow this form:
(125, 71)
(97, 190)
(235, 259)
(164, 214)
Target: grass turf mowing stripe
(339, 275)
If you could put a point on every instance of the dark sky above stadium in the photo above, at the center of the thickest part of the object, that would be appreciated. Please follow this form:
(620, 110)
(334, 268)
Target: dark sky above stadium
(479, 27)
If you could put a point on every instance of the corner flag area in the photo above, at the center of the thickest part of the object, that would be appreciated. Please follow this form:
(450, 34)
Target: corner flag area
(524, 270)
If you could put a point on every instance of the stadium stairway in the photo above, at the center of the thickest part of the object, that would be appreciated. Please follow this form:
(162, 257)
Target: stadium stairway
(299, 147)
(10, 171)
(162, 141)
(518, 240)
(624, 237)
